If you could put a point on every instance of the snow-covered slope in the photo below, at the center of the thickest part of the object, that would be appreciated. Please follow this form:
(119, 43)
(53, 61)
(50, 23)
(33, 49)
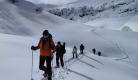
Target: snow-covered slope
(20, 18)
(85, 3)
(16, 60)
(118, 48)
(84, 11)
(116, 23)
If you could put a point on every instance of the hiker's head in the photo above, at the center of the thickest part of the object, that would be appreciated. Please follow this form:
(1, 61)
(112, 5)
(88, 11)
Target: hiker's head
(45, 33)
(74, 46)
(45, 36)
(58, 43)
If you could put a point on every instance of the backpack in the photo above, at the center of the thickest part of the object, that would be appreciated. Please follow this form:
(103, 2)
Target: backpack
(64, 50)
(50, 46)
(82, 47)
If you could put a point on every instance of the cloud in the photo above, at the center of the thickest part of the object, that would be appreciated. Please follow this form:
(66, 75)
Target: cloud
(58, 2)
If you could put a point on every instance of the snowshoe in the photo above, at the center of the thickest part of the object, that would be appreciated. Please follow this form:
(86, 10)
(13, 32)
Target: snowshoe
(44, 78)
(56, 67)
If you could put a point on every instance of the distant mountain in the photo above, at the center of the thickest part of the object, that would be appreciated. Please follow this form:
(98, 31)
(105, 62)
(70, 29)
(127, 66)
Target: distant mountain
(86, 3)
(87, 10)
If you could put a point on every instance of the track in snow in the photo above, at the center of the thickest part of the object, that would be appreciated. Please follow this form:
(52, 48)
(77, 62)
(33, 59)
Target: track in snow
(61, 73)
(126, 59)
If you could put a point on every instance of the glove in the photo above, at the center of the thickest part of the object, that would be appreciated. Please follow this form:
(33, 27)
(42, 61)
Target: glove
(53, 52)
(33, 48)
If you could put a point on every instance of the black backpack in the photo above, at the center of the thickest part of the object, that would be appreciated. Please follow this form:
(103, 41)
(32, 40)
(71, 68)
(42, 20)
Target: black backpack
(50, 46)
(63, 48)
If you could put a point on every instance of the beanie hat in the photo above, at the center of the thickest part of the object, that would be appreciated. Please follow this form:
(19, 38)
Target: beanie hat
(59, 43)
(45, 32)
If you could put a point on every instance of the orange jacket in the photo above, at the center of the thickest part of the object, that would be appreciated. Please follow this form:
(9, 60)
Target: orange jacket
(45, 51)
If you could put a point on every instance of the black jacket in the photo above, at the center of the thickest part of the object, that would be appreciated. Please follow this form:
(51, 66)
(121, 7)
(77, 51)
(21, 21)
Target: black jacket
(59, 50)
(81, 47)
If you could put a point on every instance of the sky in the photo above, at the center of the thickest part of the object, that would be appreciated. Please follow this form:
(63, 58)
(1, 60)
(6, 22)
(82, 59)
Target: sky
(55, 2)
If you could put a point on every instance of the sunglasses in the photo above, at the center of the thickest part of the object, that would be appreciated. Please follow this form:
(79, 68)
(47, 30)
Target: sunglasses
(45, 35)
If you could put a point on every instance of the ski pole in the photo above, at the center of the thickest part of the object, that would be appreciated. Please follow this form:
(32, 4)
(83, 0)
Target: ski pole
(65, 61)
(84, 50)
(32, 66)
(52, 54)
(53, 66)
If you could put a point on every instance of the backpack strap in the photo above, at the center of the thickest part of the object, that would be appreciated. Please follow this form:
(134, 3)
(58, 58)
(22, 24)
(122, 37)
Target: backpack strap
(50, 46)
(49, 42)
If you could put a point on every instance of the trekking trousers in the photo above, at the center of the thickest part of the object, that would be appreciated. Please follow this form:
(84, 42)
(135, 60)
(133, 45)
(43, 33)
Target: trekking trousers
(61, 60)
(81, 51)
(47, 69)
(73, 55)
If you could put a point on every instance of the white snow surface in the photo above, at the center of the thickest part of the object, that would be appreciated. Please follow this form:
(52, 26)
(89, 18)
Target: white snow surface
(116, 23)
(21, 27)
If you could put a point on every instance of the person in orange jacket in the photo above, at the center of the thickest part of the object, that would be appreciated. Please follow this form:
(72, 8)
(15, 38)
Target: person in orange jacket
(46, 45)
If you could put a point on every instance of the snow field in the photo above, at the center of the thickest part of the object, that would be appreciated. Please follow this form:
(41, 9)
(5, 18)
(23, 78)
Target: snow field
(22, 27)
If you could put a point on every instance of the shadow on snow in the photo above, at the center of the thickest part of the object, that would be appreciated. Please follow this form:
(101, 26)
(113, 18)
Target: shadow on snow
(80, 74)
(93, 59)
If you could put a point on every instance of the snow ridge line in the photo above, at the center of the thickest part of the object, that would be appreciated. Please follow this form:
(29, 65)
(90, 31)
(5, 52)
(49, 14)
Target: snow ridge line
(61, 73)
(128, 54)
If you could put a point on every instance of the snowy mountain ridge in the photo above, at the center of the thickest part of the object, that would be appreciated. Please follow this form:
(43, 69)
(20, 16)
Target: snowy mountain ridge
(47, 6)
(21, 27)
(111, 9)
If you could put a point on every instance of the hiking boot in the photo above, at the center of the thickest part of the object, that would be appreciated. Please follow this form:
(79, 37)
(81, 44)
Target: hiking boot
(49, 78)
(62, 65)
(45, 75)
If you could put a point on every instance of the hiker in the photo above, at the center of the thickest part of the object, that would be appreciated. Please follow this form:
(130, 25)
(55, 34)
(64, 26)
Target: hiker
(81, 49)
(45, 45)
(14, 1)
(94, 51)
(74, 51)
(60, 51)
(99, 53)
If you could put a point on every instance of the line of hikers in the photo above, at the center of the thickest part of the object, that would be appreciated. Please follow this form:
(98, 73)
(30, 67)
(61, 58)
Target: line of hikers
(75, 50)
(47, 49)
(93, 50)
